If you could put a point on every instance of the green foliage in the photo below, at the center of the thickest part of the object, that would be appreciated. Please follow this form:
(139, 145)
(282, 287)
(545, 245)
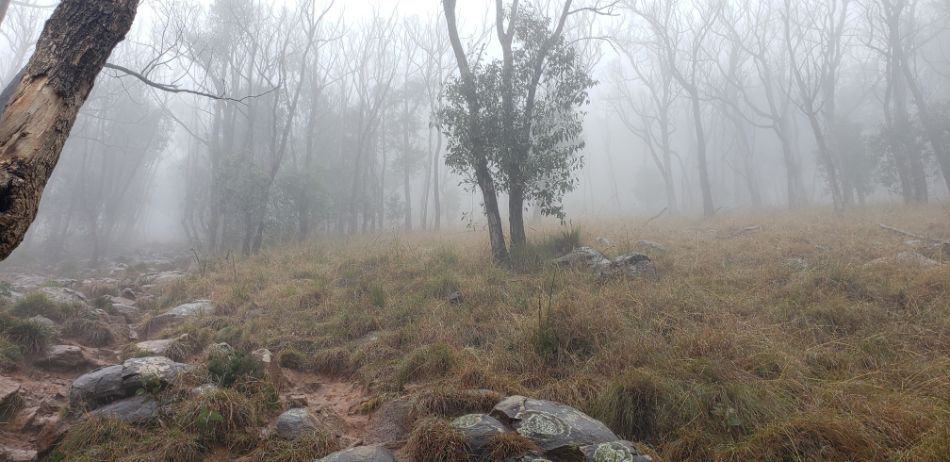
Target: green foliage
(537, 151)
(230, 368)
(291, 358)
(427, 362)
(37, 304)
(30, 336)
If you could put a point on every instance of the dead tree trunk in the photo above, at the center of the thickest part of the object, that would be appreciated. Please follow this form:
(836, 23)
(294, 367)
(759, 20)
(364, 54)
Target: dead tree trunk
(39, 108)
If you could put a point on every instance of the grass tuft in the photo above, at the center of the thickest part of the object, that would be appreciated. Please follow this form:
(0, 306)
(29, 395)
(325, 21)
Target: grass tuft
(435, 440)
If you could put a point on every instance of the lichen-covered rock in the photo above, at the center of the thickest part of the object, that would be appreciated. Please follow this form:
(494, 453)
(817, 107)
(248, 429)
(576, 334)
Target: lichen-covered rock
(9, 397)
(553, 426)
(111, 383)
(478, 430)
(296, 423)
(614, 451)
(582, 256)
(631, 265)
(361, 454)
(135, 410)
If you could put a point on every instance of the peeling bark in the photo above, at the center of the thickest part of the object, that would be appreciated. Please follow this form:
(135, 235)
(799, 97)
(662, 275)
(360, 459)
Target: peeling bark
(45, 100)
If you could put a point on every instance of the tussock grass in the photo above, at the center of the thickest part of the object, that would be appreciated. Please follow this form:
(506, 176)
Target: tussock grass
(28, 337)
(435, 440)
(508, 446)
(737, 352)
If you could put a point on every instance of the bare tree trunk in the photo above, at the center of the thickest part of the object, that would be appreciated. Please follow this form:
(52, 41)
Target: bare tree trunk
(708, 208)
(41, 107)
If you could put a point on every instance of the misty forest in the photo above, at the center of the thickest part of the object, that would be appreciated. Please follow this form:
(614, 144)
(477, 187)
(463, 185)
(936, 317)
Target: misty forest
(467, 231)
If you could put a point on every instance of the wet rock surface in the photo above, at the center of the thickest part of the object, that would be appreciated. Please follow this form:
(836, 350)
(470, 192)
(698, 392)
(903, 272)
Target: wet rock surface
(111, 383)
(65, 358)
(177, 315)
(478, 430)
(361, 454)
(135, 410)
(296, 423)
(553, 426)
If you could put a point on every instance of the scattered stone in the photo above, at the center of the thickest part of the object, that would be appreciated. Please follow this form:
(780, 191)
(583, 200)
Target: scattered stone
(128, 293)
(131, 313)
(651, 246)
(390, 424)
(65, 358)
(10, 454)
(915, 259)
(553, 426)
(604, 242)
(135, 410)
(165, 278)
(582, 256)
(111, 383)
(797, 264)
(361, 454)
(9, 397)
(478, 430)
(631, 265)
(177, 315)
(455, 298)
(156, 347)
(296, 423)
(269, 365)
(63, 295)
(615, 451)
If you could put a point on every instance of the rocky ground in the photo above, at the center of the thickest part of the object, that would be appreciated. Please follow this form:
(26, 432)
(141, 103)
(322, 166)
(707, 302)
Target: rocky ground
(102, 354)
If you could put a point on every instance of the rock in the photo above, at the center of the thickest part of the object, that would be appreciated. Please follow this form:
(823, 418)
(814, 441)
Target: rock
(11, 454)
(9, 397)
(108, 384)
(65, 358)
(156, 347)
(455, 298)
(651, 246)
(582, 256)
(53, 430)
(128, 293)
(361, 454)
(797, 264)
(164, 278)
(202, 390)
(135, 410)
(131, 313)
(553, 426)
(631, 265)
(478, 430)
(296, 423)
(177, 315)
(615, 451)
(269, 365)
(63, 295)
(297, 400)
(915, 259)
(390, 424)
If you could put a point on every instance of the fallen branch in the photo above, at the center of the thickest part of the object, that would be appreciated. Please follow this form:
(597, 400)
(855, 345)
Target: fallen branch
(914, 236)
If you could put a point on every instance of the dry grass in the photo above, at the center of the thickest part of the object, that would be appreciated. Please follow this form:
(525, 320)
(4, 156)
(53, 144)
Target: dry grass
(737, 352)
(435, 440)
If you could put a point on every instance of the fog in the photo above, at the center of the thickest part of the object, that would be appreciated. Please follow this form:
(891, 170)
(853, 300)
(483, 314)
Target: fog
(228, 126)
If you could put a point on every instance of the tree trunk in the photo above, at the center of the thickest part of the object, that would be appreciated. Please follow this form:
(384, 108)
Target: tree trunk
(708, 208)
(4, 6)
(41, 107)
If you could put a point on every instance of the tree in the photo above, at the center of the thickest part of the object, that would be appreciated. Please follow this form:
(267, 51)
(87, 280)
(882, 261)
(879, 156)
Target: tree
(682, 34)
(39, 108)
(466, 131)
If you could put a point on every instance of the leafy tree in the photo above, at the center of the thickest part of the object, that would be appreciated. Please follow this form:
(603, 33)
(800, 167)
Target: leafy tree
(532, 146)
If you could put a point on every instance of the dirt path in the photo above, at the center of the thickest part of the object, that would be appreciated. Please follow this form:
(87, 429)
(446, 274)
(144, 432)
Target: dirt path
(334, 398)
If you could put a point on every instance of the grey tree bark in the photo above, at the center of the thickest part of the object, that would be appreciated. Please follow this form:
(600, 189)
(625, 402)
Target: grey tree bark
(41, 105)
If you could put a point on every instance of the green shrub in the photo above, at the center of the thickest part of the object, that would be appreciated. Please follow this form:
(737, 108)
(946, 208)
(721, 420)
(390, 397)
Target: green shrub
(32, 337)
(228, 369)
(38, 304)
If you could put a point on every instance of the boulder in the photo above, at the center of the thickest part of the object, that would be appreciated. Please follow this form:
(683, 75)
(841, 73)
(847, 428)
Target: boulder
(390, 424)
(9, 397)
(131, 313)
(65, 358)
(63, 295)
(111, 383)
(478, 430)
(177, 315)
(13, 454)
(269, 365)
(135, 410)
(296, 423)
(650, 246)
(631, 265)
(156, 347)
(361, 454)
(128, 293)
(553, 426)
(582, 256)
(614, 451)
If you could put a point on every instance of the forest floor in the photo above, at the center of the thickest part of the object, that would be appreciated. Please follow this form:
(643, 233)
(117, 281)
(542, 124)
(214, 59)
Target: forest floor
(773, 336)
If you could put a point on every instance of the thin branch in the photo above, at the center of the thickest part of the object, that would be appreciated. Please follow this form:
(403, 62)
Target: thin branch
(174, 89)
